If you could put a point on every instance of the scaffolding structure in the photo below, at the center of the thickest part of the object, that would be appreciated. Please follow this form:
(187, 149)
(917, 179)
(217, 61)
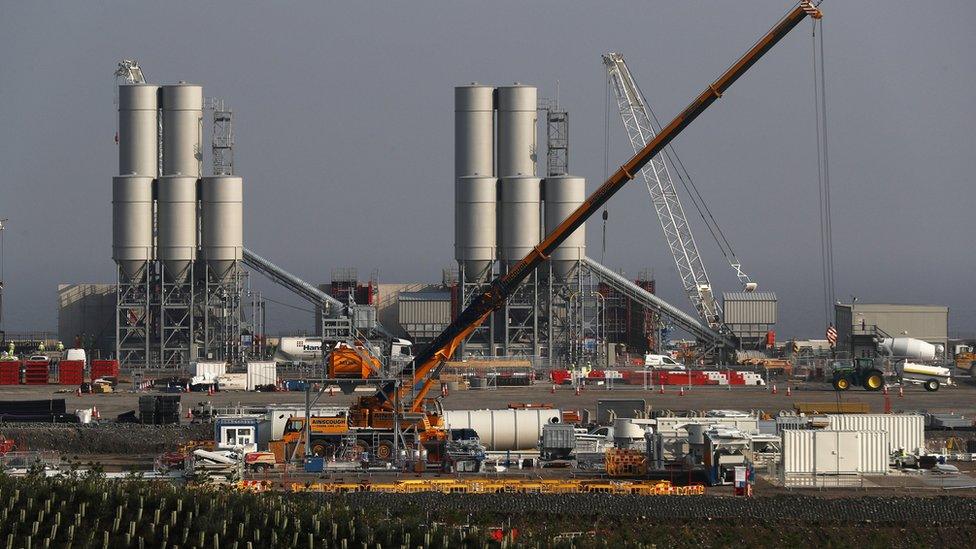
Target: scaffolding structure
(176, 316)
(133, 324)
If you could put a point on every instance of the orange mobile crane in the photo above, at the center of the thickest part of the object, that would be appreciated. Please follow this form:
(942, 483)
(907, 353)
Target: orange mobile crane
(409, 400)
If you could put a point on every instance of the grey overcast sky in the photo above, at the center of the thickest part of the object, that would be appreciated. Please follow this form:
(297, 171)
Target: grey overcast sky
(344, 123)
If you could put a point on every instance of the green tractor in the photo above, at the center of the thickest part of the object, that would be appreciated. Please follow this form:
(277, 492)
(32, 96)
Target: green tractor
(863, 372)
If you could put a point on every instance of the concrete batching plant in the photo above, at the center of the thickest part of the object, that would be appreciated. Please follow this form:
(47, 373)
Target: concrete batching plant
(177, 239)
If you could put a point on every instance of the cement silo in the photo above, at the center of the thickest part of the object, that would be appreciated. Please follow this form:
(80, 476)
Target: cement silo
(474, 130)
(222, 238)
(176, 224)
(516, 136)
(563, 195)
(474, 224)
(475, 192)
(138, 130)
(132, 215)
(182, 106)
(519, 217)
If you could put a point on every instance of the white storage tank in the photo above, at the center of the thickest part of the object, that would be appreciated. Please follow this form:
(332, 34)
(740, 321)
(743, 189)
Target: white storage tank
(520, 217)
(563, 195)
(474, 224)
(182, 107)
(474, 130)
(504, 429)
(222, 211)
(132, 245)
(906, 432)
(834, 452)
(261, 373)
(177, 224)
(138, 129)
(517, 116)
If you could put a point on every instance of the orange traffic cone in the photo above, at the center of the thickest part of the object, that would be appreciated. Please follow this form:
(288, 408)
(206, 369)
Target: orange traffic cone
(78, 391)
(331, 391)
(789, 391)
(95, 414)
(188, 414)
(901, 391)
(661, 391)
(552, 391)
(884, 391)
(577, 390)
(443, 389)
(681, 391)
(774, 389)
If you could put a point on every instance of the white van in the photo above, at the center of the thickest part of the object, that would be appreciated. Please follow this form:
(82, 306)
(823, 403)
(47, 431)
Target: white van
(662, 362)
(76, 354)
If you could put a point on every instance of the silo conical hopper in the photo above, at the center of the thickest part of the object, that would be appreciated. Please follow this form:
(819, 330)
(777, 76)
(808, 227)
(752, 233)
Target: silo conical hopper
(177, 224)
(132, 223)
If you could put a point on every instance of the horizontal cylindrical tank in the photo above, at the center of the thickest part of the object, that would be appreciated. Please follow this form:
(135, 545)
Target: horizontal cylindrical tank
(132, 223)
(474, 224)
(222, 239)
(909, 347)
(299, 349)
(516, 136)
(138, 129)
(519, 217)
(563, 194)
(176, 220)
(504, 429)
(474, 130)
(182, 106)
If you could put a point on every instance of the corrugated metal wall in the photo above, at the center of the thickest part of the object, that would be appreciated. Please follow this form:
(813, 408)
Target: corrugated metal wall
(749, 308)
(833, 452)
(905, 431)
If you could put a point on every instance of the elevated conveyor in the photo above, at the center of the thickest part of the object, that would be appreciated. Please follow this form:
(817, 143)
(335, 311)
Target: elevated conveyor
(627, 287)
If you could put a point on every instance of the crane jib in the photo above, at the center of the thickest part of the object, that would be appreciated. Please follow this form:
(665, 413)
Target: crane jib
(427, 364)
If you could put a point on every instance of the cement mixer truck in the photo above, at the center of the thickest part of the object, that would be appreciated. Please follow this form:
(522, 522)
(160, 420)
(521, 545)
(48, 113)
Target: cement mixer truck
(907, 354)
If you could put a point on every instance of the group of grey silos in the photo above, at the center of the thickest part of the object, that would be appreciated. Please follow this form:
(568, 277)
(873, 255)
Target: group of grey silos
(497, 197)
(217, 232)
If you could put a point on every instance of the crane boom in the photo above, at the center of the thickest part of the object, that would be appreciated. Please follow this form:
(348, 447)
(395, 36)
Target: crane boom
(657, 178)
(427, 364)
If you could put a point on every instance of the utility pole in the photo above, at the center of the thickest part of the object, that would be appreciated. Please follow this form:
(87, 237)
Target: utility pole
(3, 225)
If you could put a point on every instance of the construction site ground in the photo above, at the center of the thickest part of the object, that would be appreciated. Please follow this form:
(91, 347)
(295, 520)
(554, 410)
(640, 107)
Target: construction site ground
(960, 399)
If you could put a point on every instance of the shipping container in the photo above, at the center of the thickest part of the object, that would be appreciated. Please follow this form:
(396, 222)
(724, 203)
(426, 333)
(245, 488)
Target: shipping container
(208, 369)
(834, 452)
(261, 374)
(906, 432)
(619, 407)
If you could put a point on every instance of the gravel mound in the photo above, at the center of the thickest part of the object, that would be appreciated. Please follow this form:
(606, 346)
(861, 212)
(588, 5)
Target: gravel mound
(109, 438)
